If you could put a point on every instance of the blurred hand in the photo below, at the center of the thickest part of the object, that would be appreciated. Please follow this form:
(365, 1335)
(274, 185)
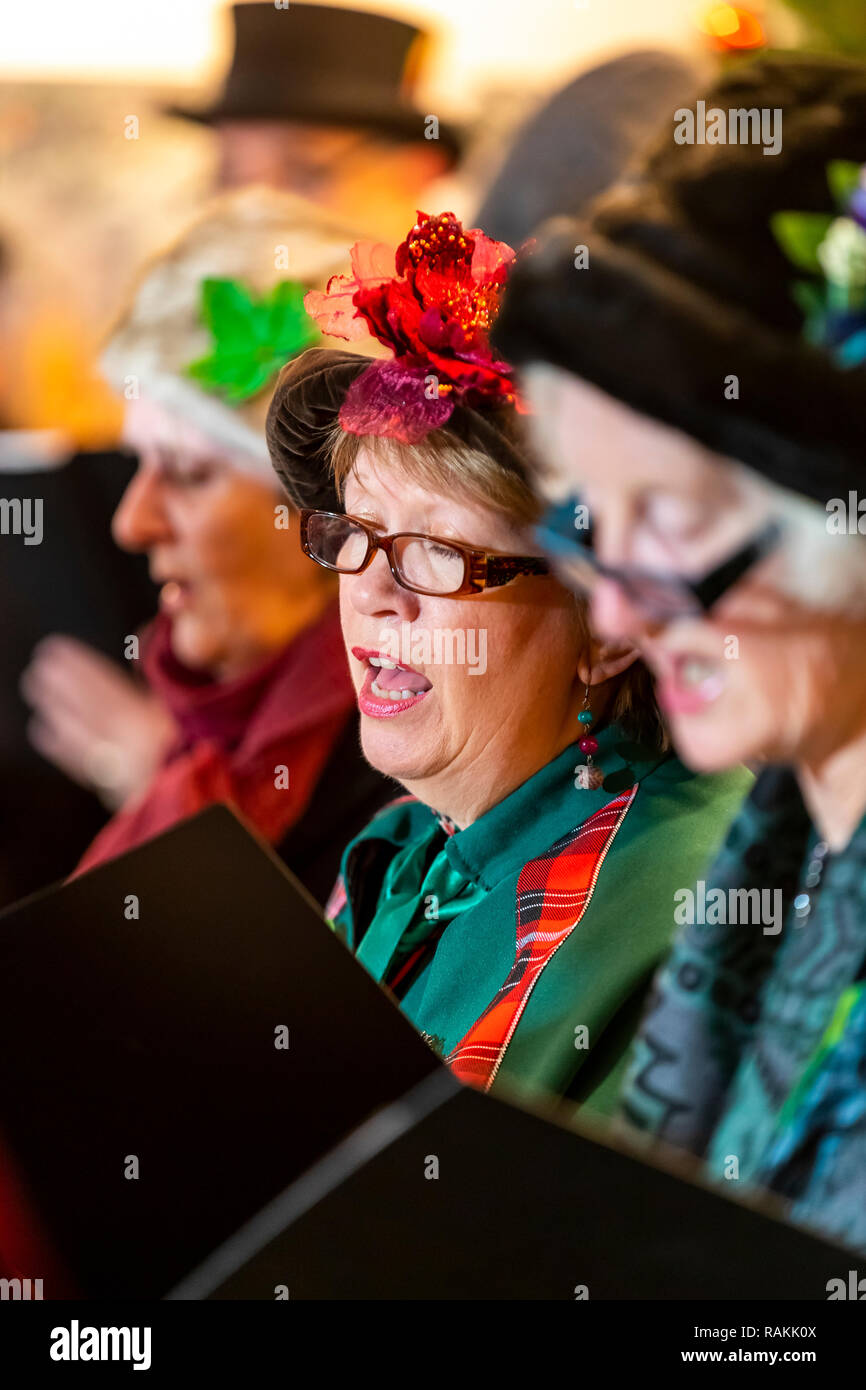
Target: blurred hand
(92, 720)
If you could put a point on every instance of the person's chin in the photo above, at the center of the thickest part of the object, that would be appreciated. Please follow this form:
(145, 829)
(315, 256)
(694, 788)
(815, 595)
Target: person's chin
(701, 749)
(191, 646)
(714, 741)
(393, 751)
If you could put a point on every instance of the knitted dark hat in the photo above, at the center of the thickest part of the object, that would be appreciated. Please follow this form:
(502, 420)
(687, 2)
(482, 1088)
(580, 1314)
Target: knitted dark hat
(686, 285)
(304, 410)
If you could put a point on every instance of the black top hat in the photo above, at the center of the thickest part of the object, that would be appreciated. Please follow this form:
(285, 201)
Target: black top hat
(319, 64)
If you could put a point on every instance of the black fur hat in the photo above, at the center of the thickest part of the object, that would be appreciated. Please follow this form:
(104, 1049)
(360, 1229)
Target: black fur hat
(686, 286)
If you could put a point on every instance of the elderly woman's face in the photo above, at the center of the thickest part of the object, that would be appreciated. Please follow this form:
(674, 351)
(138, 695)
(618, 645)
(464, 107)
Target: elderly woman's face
(772, 672)
(232, 583)
(491, 681)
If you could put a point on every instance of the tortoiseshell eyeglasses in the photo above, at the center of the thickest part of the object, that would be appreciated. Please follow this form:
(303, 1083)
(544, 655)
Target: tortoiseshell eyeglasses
(425, 564)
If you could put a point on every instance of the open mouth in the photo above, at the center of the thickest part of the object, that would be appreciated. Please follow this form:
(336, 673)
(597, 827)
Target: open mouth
(691, 684)
(388, 688)
(173, 595)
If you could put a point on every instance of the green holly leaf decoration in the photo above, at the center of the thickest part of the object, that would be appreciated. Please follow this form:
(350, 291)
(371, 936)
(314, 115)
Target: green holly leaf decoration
(800, 234)
(253, 337)
(843, 177)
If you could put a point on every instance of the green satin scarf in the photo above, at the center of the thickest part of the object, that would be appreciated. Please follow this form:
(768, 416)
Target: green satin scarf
(421, 893)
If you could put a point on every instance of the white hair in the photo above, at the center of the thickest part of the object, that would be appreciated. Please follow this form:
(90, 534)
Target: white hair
(242, 235)
(816, 564)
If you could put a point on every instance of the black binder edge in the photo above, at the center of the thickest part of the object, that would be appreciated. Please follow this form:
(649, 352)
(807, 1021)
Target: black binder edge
(364, 1143)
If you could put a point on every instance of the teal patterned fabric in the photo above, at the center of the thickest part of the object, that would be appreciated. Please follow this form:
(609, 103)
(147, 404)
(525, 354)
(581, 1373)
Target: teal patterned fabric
(819, 1156)
(754, 1045)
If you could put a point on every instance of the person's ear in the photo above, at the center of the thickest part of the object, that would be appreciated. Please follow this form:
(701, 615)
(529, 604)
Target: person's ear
(600, 661)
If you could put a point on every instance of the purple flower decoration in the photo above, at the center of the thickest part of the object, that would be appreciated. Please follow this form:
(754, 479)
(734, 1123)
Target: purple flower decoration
(394, 400)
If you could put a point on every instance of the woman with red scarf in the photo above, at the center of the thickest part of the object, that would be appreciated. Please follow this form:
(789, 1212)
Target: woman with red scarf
(250, 701)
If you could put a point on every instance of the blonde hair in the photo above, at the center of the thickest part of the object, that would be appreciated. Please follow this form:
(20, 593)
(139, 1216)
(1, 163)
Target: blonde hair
(258, 235)
(440, 462)
(445, 464)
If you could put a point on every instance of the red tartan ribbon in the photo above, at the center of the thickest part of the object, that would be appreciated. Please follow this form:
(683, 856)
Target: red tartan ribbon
(553, 892)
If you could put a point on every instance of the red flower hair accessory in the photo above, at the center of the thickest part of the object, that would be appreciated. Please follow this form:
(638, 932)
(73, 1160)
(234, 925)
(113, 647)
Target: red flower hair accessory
(432, 303)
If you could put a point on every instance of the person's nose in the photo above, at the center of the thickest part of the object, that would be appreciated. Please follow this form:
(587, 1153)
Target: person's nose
(141, 519)
(614, 616)
(375, 593)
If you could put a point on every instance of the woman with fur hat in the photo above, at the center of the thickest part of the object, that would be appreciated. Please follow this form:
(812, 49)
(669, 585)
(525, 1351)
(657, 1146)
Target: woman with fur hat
(700, 395)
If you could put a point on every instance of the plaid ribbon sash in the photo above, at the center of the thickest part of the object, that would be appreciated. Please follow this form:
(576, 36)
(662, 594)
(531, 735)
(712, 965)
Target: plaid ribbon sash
(553, 892)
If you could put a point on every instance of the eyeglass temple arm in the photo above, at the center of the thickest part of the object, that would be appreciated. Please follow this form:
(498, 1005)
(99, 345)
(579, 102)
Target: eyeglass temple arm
(713, 585)
(501, 569)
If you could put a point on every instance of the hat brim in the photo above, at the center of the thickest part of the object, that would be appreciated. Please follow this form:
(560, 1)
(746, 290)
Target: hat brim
(667, 348)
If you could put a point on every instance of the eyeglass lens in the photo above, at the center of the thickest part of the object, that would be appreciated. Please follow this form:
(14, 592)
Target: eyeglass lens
(428, 565)
(421, 562)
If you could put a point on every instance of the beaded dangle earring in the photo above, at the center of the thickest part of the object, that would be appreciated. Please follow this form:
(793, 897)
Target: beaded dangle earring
(588, 777)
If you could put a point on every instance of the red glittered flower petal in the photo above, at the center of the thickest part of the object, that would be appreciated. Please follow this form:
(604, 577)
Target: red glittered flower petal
(491, 260)
(432, 303)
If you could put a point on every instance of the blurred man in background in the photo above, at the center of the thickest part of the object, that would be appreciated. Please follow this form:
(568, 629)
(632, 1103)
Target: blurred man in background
(321, 101)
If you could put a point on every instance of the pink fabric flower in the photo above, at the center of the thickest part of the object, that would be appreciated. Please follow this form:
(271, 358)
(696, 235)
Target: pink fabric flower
(395, 401)
(333, 309)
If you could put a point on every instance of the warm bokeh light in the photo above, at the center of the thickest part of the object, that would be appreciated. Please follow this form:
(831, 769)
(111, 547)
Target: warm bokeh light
(486, 40)
(99, 38)
(733, 28)
(722, 22)
(73, 75)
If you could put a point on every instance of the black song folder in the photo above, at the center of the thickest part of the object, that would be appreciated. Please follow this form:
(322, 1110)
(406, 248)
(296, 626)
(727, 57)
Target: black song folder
(451, 1194)
(204, 1095)
(182, 1036)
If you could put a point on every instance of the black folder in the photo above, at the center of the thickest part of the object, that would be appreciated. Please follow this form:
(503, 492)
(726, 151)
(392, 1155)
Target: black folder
(153, 1037)
(139, 1009)
(452, 1195)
